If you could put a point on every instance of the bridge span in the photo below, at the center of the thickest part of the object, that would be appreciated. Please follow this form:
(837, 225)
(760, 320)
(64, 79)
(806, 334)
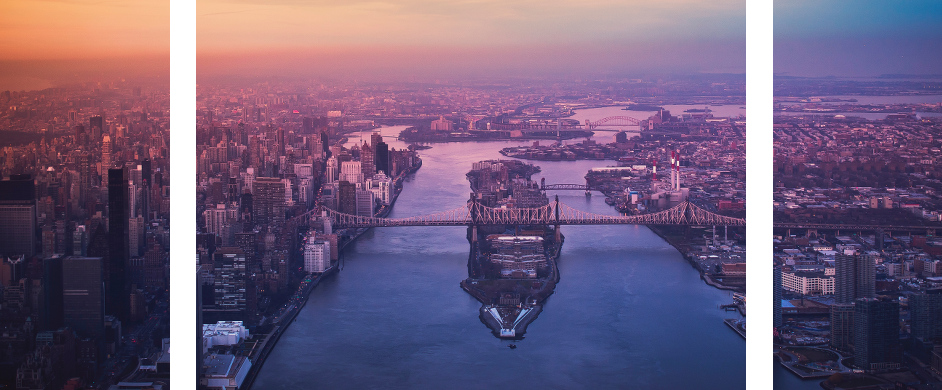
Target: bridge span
(554, 213)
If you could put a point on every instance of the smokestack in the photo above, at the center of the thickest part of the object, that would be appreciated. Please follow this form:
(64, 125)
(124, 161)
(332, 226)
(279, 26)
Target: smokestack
(677, 184)
(654, 170)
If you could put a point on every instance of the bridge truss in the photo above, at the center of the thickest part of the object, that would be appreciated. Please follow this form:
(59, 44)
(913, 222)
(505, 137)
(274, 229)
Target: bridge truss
(554, 213)
(613, 121)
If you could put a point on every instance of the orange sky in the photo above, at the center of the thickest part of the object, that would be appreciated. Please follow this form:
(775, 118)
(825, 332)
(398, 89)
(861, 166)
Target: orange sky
(83, 29)
(316, 36)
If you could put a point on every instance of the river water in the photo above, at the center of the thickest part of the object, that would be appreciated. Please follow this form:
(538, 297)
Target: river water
(628, 312)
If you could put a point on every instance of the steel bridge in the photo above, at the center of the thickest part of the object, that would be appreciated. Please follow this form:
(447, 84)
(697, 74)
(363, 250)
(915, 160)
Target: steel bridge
(565, 187)
(554, 213)
(865, 228)
(613, 121)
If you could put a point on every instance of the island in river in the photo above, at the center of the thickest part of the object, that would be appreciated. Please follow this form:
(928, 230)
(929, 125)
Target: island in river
(511, 268)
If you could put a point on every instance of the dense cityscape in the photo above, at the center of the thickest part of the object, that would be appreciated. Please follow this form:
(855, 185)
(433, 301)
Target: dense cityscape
(84, 236)
(273, 159)
(856, 211)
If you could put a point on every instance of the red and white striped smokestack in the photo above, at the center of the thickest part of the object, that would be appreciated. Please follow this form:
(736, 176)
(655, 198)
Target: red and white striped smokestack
(677, 188)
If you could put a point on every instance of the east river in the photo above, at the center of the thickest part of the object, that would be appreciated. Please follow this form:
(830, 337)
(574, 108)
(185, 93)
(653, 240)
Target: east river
(628, 312)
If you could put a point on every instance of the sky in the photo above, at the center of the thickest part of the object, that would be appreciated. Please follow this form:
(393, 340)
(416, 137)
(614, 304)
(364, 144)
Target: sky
(857, 38)
(432, 37)
(46, 42)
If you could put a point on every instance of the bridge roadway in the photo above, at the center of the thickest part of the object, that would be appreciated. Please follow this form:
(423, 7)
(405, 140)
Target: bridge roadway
(850, 227)
(554, 213)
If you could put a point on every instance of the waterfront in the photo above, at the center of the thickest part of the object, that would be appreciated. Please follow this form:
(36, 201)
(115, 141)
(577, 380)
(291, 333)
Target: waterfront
(629, 311)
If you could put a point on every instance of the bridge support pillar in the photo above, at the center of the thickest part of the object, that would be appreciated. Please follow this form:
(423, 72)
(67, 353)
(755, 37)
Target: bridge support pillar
(559, 235)
(474, 233)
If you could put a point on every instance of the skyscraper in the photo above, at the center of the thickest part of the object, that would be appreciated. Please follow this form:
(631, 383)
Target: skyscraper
(854, 277)
(381, 150)
(268, 201)
(229, 269)
(777, 296)
(83, 296)
(367, 166)
(842, 326)
(105, 154)
(876, 333)
(118, 244)
(17, 216)
(926, 312)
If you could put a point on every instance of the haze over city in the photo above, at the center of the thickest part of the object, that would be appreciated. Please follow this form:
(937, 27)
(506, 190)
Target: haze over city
(378, 40)
(857, 38)
(48, 43)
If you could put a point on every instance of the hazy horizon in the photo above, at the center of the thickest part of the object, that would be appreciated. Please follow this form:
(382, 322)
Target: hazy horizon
(47, 43)
(427, 39)
(848, 38)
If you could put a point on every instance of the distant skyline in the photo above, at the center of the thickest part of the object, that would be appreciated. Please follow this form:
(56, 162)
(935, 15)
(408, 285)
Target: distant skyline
(857, 38)
(48, 42)
(458, 38)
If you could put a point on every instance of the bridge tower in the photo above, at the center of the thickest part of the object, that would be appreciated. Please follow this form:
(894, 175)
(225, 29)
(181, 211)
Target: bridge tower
(474, 218)
(556, 213)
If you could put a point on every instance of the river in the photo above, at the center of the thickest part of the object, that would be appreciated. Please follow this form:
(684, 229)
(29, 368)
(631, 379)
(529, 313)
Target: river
(628, 312)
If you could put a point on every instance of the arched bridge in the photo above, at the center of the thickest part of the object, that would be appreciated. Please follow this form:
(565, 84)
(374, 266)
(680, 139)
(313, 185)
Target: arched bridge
(554, 213)
(613, 121)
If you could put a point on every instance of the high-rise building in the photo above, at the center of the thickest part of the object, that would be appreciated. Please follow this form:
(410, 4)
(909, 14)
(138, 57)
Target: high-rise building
(316, 255)
(52, 293)
(332, 170)
(230, 275)
(18, 216)
(347, 198)
(365, 203)
(854, 277)
(96, 124)
(842, 326)
(351, 171)
(118, 288)
(367, 166)
(926, 312)
(105, 154)
(83, 296)
(268, 201)
(777, 296)
(381, 150)
(876, 333)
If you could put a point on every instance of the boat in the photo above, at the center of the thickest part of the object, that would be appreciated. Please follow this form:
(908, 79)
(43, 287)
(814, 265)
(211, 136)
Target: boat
(512, 346)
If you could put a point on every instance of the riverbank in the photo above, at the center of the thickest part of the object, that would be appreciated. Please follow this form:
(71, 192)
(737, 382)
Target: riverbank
(683, 248)
(288, 318)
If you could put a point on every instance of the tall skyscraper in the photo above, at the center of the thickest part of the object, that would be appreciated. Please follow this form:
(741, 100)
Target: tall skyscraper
(268, 201)
(777, 296)
(854, 277)
(83, 296)
(876, 333)
(347, 198)
(842, 326)
(381, 150)
(118, 288)
(17, 216)
(52, 293)
(367, 166)
(229, 270)
(926, 313)
(106, 146)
